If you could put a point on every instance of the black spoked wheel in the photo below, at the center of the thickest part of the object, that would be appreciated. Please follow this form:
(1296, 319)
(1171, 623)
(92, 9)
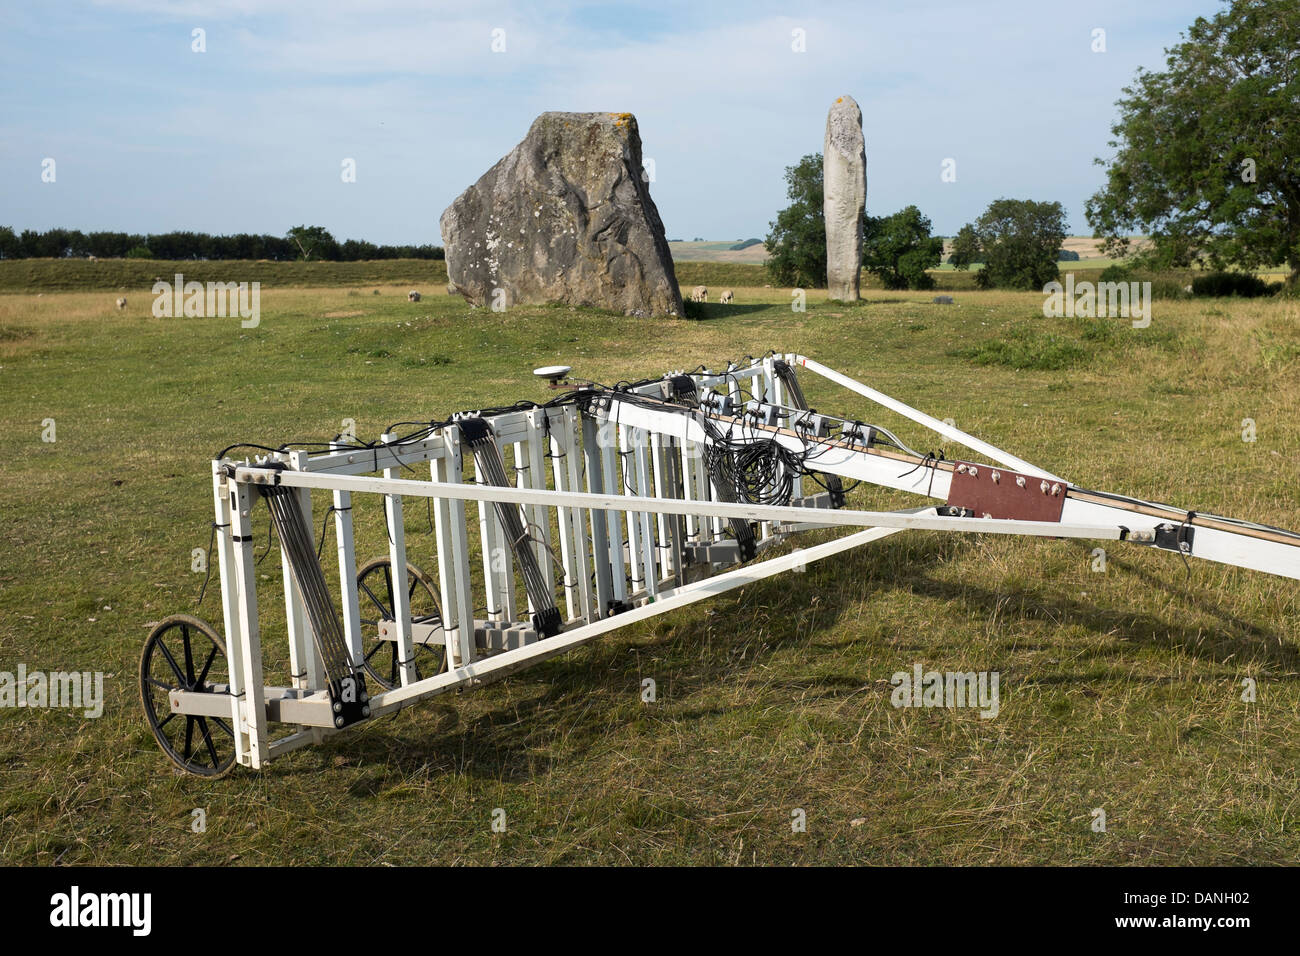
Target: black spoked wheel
(184, 653)
(375, 594)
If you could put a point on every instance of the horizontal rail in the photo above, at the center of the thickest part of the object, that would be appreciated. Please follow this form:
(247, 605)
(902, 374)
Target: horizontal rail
(674, 506)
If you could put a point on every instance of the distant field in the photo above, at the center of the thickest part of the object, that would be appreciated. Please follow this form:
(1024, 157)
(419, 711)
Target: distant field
(1120, 690)
(719, 251)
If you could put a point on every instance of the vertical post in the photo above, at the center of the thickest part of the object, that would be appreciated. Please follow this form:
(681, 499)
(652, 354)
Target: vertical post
(772, 393)
(564, 517)
(593, 459)
(539, 517)
(253, 712)
(491, 539)
(661, 522)
(650, 570)
(690, 463)
(609, 459)
(453, 556)
(628, 472)
(397, 568)
(222, 490)
(349, 599)
(582, 550)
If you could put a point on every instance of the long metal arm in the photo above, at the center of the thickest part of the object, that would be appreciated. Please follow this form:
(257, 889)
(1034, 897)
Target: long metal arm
(679, 506)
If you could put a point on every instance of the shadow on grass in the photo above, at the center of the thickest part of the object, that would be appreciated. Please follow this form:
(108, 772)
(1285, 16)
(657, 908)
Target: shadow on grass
(716, 310)
(590, 695)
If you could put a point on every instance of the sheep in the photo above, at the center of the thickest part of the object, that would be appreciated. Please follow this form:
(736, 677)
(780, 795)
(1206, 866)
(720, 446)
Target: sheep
(121, 302)
(412, 296)
(727, 297)
(700, 294)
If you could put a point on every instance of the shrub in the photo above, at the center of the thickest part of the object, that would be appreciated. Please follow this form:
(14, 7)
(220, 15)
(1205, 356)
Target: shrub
(1222, 284)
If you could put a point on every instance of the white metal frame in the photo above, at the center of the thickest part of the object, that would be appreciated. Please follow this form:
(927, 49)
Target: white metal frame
(618, 509)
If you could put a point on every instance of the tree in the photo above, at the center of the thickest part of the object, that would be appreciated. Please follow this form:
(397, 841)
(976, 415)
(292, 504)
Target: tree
(898, 249)
(1205, 162)
(313, 240)
(965, 248)
(1017, 240)
(796, 246)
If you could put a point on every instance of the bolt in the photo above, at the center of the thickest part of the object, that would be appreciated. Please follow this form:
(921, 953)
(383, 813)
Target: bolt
(997, 476)
(338, 707)
(974, 471)
(365, 710)
(1043, 487)
(1056, 490)
(338, 721)
(1020, 480)
(961, 469)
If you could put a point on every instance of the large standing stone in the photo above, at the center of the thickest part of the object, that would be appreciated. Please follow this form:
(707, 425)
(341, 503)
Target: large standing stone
(565, 217)
(844, 181)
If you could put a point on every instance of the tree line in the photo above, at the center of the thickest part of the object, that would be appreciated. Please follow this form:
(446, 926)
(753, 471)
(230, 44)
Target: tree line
(1017, 241)
(1203, 168)
(301, 242)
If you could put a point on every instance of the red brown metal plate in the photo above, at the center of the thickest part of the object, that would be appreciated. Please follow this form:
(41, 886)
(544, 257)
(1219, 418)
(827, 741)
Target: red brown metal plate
(998, 493)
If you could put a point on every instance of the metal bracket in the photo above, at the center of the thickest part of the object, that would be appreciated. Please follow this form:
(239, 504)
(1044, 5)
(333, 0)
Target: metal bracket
(1174, 537)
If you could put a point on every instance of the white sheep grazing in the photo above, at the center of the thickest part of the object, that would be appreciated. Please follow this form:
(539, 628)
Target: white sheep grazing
(412, 296)
(727, 297)
(121, 303)
(700, 294)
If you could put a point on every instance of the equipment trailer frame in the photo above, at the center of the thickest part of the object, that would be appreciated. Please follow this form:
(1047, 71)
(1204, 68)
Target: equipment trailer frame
(664, 493)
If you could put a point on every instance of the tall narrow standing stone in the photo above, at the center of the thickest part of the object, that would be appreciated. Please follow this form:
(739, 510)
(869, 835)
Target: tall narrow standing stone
(844, 181)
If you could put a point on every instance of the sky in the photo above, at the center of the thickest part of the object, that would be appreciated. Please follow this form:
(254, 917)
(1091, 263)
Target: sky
(251, 134)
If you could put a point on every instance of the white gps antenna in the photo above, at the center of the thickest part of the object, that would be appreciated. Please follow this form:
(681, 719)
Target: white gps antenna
(553, 373)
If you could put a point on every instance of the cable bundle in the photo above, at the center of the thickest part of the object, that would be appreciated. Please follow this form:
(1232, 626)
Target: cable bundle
(491, 467)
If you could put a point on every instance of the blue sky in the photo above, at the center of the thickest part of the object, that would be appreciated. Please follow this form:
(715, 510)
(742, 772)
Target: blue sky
(249, 136)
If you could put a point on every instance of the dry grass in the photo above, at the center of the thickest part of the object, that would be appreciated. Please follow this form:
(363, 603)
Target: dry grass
(1119, 690)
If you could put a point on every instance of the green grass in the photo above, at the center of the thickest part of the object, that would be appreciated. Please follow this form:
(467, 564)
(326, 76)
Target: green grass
(1119, 690)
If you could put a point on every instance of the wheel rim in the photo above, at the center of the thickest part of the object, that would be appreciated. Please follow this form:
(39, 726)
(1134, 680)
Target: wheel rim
(375, 596)
(184, 653)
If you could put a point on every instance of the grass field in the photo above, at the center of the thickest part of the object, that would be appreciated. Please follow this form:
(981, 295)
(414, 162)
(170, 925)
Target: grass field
(1119, 690)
